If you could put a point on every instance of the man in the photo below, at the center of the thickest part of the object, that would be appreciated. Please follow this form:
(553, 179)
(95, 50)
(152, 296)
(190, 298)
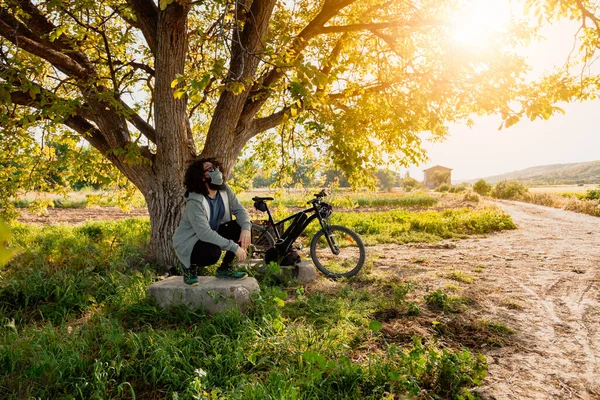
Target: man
(207, 226)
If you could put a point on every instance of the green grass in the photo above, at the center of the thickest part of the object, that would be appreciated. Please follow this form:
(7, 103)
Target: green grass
(400, 226)
(349, 200)
(76, 322)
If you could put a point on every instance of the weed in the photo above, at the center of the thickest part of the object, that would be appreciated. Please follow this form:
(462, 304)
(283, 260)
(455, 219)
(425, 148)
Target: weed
(460, 276)
(479, 268)
(474, 334)
(440, 301)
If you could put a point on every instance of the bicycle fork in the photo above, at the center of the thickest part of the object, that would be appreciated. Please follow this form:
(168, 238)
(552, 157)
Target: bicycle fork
(335, 249)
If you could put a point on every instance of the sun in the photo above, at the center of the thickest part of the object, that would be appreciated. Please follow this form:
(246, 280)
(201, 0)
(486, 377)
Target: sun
(479, 21)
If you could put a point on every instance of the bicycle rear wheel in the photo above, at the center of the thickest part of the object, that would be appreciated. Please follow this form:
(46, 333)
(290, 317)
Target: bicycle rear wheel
(350, 248)
(260, 241)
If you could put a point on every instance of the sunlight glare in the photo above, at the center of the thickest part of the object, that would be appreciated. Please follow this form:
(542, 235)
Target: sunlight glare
(478, 21)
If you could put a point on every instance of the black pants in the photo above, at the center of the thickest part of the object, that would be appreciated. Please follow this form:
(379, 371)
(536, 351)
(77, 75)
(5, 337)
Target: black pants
(205, 253)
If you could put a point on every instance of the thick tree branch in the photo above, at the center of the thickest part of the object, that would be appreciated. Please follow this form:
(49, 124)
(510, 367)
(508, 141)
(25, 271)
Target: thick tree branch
(42, 28)
(22, 37)
(76, 122)
(377, 26)
(260, 90)
(262, 124)
(146, 13)
(368, 90)
(145, 128)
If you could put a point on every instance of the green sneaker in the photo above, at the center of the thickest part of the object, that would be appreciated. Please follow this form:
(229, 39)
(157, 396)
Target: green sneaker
(227, 273)
(189, 275)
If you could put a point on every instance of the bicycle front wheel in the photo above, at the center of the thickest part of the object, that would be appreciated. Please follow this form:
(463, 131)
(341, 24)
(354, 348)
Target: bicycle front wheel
(261, 241)
(343, 258)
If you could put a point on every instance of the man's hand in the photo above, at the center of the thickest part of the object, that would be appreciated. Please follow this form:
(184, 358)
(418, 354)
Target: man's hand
(241, 254)
(244, 239)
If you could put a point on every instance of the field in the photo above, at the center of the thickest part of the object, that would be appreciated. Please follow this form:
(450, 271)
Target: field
(429, 316)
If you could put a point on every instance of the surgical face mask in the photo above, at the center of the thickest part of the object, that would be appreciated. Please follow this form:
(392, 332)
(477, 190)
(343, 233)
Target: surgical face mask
(216, 177)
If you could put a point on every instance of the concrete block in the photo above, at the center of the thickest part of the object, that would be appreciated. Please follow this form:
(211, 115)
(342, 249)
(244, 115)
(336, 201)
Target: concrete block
(307, 272)
(210, 293)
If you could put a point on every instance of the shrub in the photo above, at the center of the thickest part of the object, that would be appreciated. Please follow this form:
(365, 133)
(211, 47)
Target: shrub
(444, 187)
(482, 188)
(471, 196)
(457, 189)
(592, 194)
(509, 190)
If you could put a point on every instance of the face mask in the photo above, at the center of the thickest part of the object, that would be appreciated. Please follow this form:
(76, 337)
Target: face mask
(216, 177)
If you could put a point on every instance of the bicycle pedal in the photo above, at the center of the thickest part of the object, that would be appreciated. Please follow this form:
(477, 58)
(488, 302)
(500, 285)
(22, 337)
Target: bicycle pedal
(298, 247)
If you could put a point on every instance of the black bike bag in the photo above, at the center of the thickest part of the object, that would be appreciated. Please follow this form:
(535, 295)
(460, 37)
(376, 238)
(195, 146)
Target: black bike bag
(291, 234)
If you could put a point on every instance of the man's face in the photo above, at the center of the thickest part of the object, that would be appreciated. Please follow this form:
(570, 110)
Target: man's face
(207, 167)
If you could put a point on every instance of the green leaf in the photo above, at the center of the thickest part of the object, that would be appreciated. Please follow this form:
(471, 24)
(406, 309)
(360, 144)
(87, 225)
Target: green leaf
(375, 326)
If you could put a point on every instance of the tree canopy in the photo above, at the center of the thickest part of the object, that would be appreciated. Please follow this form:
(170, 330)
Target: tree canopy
(152, 85)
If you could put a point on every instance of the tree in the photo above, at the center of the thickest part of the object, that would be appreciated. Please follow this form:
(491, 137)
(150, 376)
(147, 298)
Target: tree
(576, 81)
(408, 184)
(440, 177)
(387, 179)
(152, 86)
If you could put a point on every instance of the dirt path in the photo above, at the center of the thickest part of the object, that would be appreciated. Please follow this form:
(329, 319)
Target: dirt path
(542, 280)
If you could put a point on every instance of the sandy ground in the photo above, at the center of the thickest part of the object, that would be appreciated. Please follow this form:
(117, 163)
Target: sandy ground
(542, 280)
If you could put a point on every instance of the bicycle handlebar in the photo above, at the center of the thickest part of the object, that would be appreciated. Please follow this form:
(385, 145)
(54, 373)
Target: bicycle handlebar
(318, 197)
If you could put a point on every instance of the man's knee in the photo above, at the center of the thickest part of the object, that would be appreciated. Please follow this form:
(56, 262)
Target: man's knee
(212, 255)
(205, 254)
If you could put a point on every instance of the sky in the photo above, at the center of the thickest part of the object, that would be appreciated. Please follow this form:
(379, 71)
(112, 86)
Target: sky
(483, 150)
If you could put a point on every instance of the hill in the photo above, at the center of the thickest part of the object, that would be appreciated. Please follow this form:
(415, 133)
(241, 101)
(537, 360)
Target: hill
(555, 174)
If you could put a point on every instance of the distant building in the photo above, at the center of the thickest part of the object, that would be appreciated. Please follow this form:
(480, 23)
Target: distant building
(437, 175)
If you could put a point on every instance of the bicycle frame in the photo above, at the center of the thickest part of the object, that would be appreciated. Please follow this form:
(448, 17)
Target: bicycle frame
(281, 240)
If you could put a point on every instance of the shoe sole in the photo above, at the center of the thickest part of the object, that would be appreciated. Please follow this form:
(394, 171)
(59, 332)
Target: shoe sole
(232, 278)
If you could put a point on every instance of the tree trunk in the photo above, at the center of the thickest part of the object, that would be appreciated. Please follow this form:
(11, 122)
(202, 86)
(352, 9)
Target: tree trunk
(165, 206)
(173, 144)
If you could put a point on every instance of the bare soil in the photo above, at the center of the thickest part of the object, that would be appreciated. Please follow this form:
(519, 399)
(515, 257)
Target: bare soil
(542, 280)
(79, 215)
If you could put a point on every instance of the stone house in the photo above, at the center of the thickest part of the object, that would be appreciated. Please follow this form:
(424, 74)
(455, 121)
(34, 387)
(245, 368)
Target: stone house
(437, 175)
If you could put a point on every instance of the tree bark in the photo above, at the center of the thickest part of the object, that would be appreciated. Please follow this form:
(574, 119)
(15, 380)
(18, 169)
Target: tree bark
(174, 147)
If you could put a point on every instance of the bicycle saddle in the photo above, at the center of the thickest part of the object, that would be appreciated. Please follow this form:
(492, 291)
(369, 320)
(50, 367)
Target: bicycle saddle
(261, 198)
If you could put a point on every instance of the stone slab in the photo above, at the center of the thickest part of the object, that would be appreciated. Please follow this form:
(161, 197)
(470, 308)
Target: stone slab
(304, 273)
(210, 293)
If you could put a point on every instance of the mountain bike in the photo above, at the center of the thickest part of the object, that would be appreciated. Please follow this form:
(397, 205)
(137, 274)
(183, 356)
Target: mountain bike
(335, 250)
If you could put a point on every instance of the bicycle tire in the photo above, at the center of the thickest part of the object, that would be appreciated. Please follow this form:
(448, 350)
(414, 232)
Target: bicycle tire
(352, 252)
(261, 240)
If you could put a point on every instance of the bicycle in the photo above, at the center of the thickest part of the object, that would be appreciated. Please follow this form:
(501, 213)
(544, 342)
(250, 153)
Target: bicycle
(336, 251)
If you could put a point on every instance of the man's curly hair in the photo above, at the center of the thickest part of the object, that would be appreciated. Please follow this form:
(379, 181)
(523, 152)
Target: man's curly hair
(194, 175)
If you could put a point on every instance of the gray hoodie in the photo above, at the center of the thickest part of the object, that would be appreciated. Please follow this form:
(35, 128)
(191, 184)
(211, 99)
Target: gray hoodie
(194, 225)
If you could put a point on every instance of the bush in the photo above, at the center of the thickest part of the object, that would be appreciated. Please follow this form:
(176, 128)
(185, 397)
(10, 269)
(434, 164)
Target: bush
(457, 189)
(471, 196)
(444, 187)
(592, 194)
(509, 190)
(482, 188)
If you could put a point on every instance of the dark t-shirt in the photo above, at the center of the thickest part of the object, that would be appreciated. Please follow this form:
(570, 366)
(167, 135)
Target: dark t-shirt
(217, 210)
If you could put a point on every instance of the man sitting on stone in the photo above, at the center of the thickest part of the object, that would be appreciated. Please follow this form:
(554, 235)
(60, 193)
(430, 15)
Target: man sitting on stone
(207, 226)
